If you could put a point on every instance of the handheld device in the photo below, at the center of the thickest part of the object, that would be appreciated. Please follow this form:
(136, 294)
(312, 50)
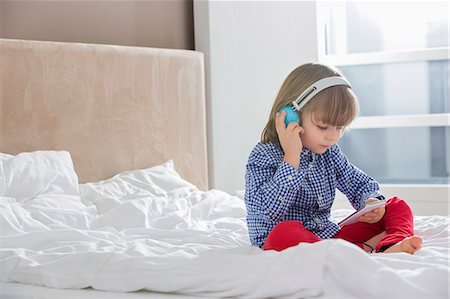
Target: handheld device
(352, 218)
(292, 111)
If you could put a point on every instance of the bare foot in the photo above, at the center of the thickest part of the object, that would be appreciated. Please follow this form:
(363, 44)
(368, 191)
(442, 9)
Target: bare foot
(408, 245)
(373, 242)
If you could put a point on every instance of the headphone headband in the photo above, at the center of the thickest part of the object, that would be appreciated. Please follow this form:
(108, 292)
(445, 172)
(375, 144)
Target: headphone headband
(315, 88)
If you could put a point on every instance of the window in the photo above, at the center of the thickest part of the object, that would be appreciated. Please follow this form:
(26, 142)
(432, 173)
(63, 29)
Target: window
(396, 56)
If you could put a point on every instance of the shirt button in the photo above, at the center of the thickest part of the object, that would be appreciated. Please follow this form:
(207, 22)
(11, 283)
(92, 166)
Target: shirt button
(280, 198)
(289, 177)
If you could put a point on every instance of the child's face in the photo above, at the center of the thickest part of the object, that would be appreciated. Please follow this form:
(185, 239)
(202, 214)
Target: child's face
(318, 136)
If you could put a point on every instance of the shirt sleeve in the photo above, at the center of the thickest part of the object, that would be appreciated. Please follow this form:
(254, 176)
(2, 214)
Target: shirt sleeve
(352, 181)
(271, 186)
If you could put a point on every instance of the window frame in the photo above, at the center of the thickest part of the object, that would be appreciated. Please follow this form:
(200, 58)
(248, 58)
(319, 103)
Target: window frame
(414, 192)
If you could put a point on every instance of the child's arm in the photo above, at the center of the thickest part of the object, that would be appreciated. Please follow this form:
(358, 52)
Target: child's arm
(290, 139)
(374, 215)
(352, 181)
(271, 184)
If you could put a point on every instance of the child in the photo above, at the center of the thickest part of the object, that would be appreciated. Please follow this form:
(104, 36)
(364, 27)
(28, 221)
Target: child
(292, 174)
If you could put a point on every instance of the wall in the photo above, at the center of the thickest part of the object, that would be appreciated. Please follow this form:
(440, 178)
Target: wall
(250, 47)
(165, 24)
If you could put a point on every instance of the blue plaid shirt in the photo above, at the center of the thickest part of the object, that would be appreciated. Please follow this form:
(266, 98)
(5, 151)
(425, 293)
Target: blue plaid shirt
(275, 191)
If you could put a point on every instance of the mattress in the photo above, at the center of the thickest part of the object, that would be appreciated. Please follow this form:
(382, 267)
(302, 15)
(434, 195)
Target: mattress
(150, 233)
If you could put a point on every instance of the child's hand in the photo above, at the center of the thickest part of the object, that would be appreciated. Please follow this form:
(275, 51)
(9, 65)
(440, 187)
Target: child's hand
(289, 139)
(374, 215)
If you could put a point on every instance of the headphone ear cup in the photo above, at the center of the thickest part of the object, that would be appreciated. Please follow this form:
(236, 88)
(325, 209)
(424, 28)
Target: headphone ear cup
(291, 115)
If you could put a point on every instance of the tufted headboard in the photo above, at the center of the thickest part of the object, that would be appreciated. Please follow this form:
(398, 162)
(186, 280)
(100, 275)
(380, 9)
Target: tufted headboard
(114, 108)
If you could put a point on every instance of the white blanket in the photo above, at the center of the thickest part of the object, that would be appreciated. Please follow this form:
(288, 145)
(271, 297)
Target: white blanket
(149, 229)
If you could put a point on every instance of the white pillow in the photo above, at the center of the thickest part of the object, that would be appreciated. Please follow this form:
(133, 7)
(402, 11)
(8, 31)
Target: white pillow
(29, 174)
(4, 156)
(155, 181)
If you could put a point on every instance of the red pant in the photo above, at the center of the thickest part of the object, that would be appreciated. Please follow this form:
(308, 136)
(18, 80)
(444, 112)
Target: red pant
(398, 222)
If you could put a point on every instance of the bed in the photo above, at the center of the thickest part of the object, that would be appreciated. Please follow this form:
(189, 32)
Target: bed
(104, 192)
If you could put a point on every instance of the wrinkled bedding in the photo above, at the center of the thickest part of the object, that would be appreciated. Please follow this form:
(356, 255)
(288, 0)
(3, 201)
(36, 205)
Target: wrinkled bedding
(150, 229)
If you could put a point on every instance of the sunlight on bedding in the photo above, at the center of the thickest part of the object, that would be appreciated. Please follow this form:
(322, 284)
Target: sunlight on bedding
(151, 229)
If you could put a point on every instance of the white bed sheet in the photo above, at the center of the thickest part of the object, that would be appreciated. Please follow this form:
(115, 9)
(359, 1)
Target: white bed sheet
(27, 291)
(434, 252)
(149, 229)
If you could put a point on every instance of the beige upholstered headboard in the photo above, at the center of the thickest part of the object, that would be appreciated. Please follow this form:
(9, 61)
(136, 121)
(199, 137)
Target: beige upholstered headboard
(113, 108)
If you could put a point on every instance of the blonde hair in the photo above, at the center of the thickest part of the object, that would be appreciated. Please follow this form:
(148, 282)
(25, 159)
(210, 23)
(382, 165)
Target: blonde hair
(336, 106)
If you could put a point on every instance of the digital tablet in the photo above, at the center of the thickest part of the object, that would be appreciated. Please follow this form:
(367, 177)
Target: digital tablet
(352, 218)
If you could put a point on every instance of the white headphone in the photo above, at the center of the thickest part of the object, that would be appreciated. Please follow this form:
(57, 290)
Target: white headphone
(315, 88)
(308, 94)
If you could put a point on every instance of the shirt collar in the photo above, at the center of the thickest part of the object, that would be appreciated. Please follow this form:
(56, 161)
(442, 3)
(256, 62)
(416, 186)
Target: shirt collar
(308, 155)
